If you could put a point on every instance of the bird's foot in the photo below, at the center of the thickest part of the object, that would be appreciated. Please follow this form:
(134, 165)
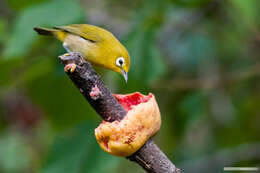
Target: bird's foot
(70, 67)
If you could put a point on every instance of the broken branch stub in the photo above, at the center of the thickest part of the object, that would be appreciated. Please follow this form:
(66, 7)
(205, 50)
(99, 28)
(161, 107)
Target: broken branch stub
(87, 80)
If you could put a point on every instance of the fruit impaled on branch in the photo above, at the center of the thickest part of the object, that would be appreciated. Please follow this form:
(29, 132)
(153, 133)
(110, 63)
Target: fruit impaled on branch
(125, 137)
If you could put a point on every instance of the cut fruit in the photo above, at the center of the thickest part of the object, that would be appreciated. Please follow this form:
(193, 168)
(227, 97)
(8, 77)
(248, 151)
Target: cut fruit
(129, 100)
(143, 120)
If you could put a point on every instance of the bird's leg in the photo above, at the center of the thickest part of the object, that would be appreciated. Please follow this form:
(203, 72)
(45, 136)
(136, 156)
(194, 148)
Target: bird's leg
(70, 67)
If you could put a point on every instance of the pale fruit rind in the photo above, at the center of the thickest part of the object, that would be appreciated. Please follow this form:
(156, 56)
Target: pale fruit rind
(125, 137)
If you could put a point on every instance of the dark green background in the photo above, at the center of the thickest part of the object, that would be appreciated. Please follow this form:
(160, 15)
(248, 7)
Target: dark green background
(201, 59)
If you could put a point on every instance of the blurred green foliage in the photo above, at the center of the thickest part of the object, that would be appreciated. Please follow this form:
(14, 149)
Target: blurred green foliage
(199, 57)
(22, 36)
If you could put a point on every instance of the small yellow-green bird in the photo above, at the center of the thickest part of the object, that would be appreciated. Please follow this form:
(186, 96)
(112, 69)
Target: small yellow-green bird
(97, 45)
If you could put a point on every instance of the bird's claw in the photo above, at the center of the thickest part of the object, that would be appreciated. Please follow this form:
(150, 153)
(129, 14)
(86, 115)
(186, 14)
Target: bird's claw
(70, 67)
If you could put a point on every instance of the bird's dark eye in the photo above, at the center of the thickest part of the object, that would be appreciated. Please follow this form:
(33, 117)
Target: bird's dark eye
(120, 61)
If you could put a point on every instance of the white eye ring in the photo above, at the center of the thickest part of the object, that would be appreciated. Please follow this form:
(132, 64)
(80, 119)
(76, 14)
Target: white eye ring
(120, 61)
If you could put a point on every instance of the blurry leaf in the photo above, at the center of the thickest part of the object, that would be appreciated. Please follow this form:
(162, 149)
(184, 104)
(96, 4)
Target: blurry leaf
(146, 62)
(6, 72)
(151, 14)
(191, 3)
(247, 11)
(77, 151)
(189, 51)
(2, 30)
(156, 65)
(35, 70)
(63, 104)
(22, 3)
(55, 12)
(15, 155)
(14, 72)
(193, 107)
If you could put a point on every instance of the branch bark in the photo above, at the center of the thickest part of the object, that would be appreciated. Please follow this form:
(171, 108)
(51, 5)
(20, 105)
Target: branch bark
(150, 157)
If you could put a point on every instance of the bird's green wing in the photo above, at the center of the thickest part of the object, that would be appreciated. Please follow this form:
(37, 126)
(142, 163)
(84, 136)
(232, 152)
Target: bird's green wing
(85, 31)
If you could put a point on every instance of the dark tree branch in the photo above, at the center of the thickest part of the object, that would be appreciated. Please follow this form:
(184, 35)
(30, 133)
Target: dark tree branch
(150, 157)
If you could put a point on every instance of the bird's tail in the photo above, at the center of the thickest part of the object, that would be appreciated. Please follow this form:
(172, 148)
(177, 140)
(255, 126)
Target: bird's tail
(51, 32)
(44, 31)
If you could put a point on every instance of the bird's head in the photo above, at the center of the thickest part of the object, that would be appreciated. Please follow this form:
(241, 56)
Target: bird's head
(121, 61)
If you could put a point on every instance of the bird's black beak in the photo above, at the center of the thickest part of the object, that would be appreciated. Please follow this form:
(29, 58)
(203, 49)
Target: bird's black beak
(124, 73)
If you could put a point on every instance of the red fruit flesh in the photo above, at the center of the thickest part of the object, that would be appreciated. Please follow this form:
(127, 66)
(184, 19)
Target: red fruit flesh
(129, 100)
